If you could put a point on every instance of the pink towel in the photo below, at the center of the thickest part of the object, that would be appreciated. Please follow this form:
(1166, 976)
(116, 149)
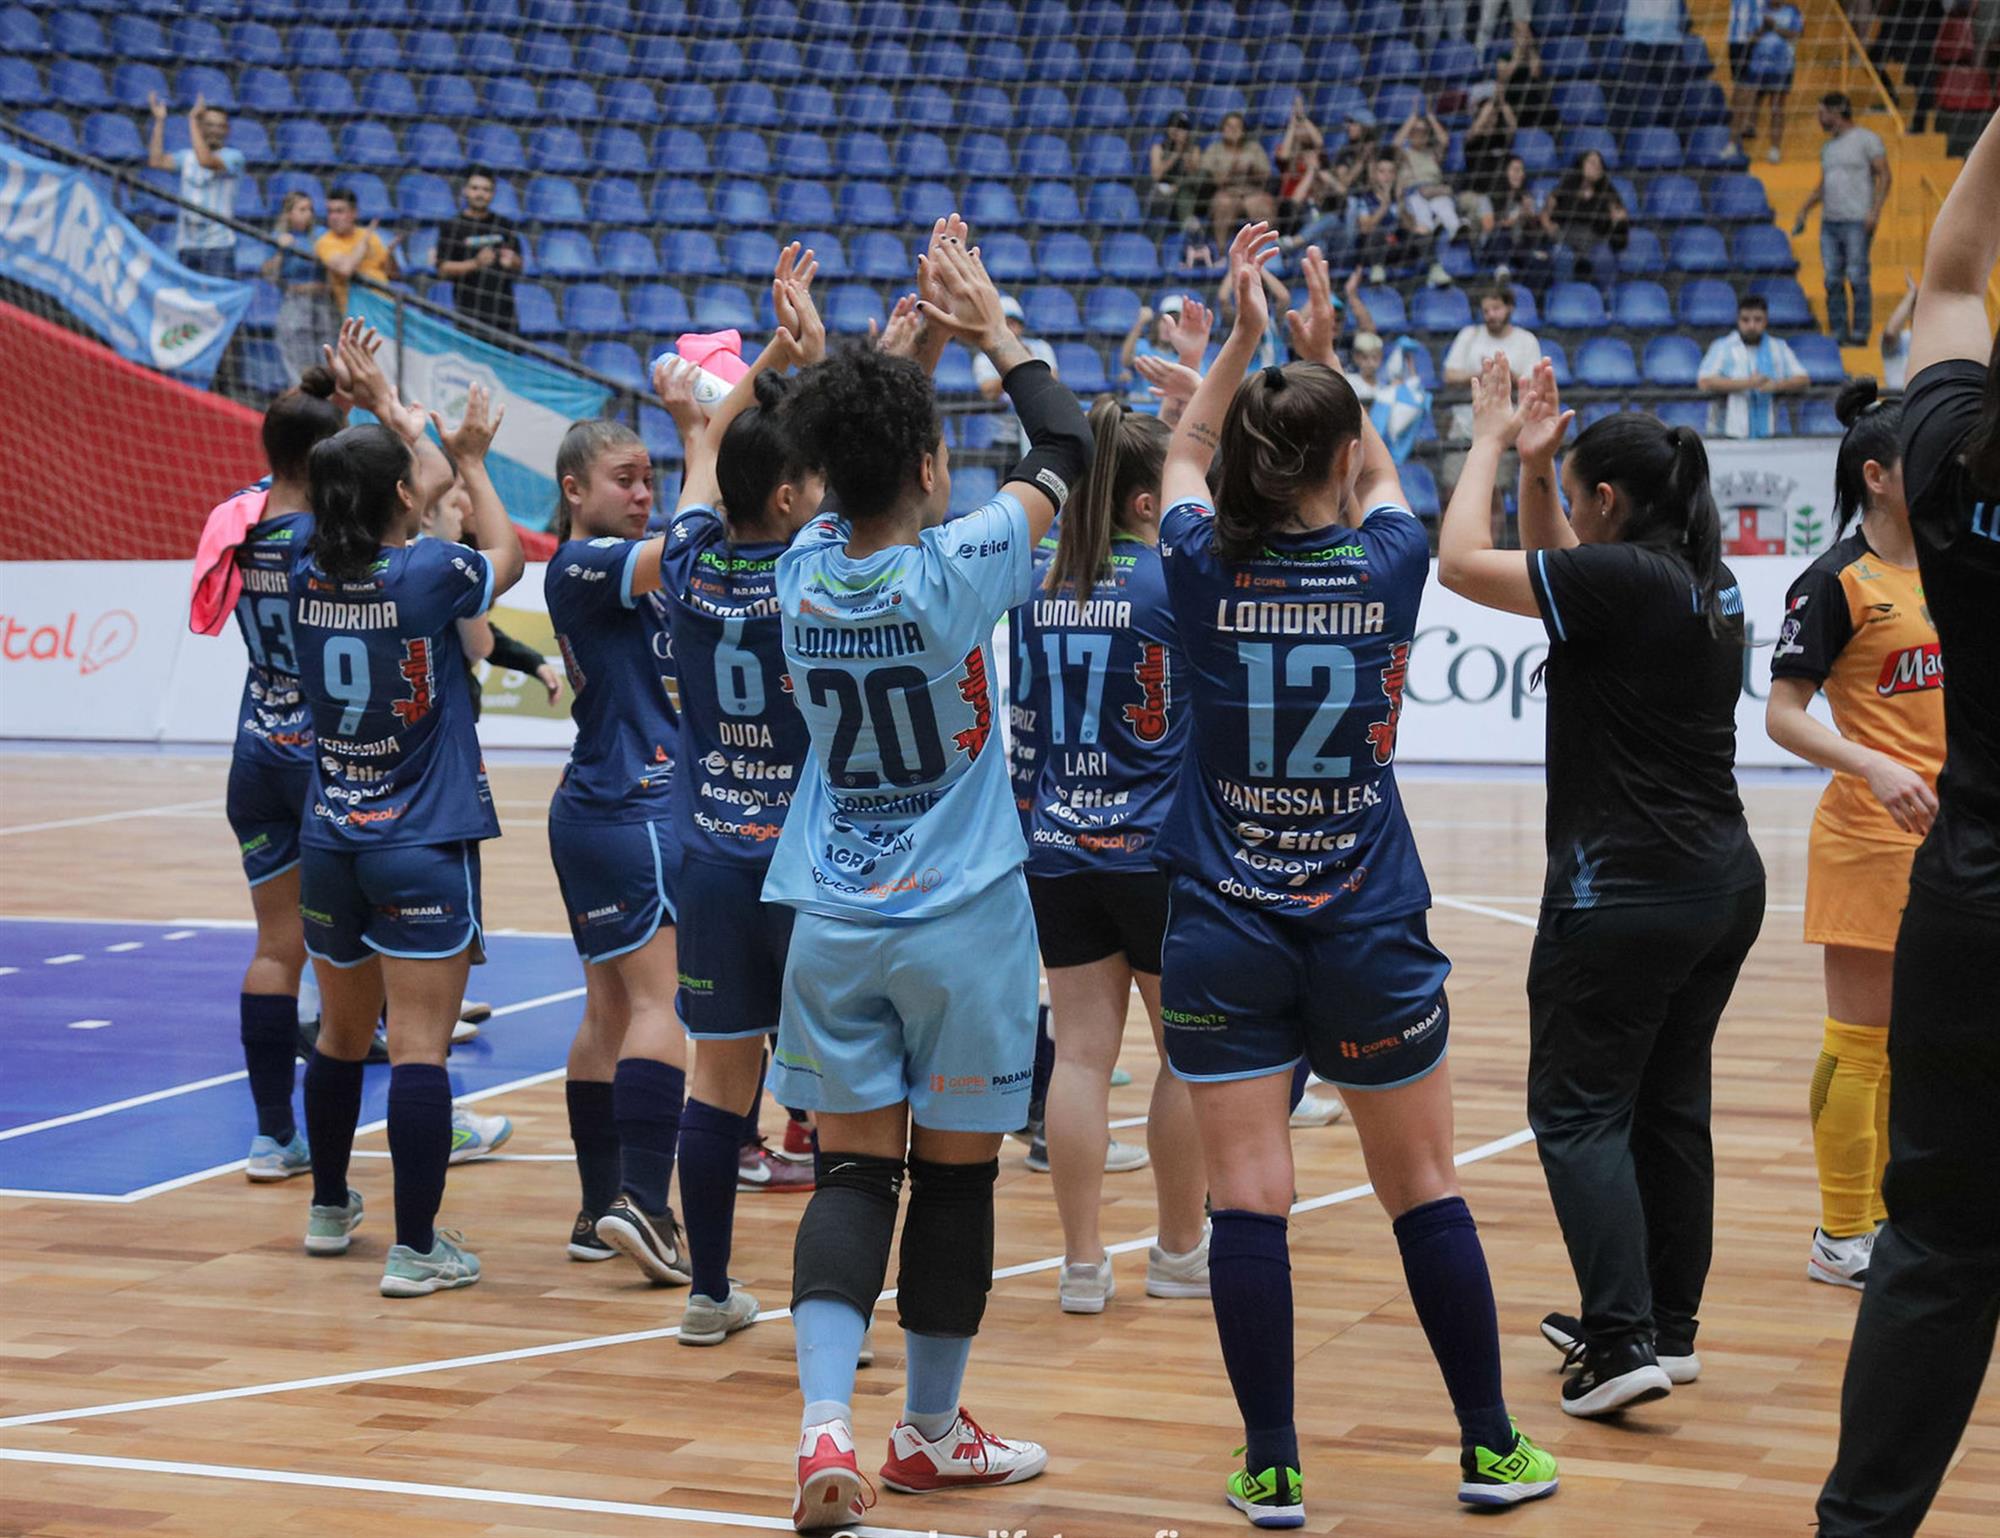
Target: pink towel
(218, 581)
(720, 352)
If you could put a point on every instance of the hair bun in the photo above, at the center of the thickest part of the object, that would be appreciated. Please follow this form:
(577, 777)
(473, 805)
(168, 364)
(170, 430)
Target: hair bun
(1856, 396)
(771, 388)
(317, 381)
(1274, 377)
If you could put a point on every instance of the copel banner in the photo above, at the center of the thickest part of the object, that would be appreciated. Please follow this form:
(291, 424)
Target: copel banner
(60, 233)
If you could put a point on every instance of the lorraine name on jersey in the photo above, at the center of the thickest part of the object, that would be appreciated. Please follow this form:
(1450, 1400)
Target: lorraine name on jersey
(1287, 799)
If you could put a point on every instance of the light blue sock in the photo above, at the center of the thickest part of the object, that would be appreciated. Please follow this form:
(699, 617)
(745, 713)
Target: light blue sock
(827, 1337)
(936, 1370)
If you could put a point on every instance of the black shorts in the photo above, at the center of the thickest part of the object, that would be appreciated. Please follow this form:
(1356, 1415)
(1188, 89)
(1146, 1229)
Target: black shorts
(1739, 60)
(1086, 917)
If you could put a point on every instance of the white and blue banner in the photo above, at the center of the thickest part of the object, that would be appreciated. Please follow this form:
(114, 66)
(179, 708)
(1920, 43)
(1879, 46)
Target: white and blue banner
(440, 364)
(60, 233)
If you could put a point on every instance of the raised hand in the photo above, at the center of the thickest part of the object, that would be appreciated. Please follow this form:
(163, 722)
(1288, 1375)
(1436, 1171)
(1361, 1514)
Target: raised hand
(1168, 381)
(1313, 332)
(1190, 330)
(473, 436)
(899, 336)
(799, 323)
(368, 387)
(796, 264)
(967, 305)
(1252, 249)
(156, 106)
(1543, 423)
(1494, 419)
(673, 382)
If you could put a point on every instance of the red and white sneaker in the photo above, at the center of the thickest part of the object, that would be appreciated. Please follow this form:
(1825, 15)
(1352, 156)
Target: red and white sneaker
(964, 1455)
(797, 1147)
(758, 1169)
(832, 1491)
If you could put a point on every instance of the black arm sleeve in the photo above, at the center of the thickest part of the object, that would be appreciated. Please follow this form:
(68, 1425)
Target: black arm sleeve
(1059, 445)
(513, 655)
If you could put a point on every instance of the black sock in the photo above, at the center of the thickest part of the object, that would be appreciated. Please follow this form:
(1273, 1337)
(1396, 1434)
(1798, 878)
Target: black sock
(711, 1139)
(419, 1148)
(647, 1099)
(333, 1106)
(1445, 1267)
(1045, 1064)
(1250, 1288)
(270, 1027)
(595, 1134)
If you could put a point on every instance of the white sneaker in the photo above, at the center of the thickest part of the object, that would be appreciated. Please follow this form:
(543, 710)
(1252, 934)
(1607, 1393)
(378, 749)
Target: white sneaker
(1178, 1276)
(708, 1323)
(964, 1455)
(1840, 1262)
(1318, 1111)
(474, 1136)
(1084, 1288)
(463, 1031)
(830, 1487)
(1121, 1158)
(1681, 1369)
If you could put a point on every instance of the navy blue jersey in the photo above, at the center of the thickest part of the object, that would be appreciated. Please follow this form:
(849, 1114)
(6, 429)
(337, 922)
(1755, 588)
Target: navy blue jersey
(743, 740)
(1027, 739)
(620, 659)
(272, 725)
(1108, 670)
(396, 759)
(1287, 799)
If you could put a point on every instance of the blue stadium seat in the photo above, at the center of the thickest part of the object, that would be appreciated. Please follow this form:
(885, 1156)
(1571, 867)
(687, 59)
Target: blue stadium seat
(388, 94)
(594, 309)
(1386, 305)
(1639, 305)
(553, 200)
(1819, 354)
(716, 60)
(1053, 204)
(827, 249)
(1081, 366)
(1790, 310)
(193, 39)
(1420, 489)
(868, 204)
(1439, 310)
(660, 58)
(678, 201)
(283, 183)
(985, 106)
(1764, 248)
(495, 146)
(723, 307)
(256, 43)
(1537, 151)
(1221, 64)
(680, 152)
(862, 153)
(536, 309)
(313, 47)
(742, 203)
(268, 91)
(571, 101)
(984, 155)
(1005, 61)
(564, 254)
(1046, 155)
(1153, 104)
(77, 35)
(202, 82)
(327, 93)
(1654, 149)
(801, 153)
(801, 205)
(1643, 255)
(21, 84)
(719, 18)
(1597, 411)
(434, 147)
(1008, 258)
(749, 103)
(1574, 307)
(1579, 102)
(1050, 311)
(773, 59)
(953, 375)
(1101, 106)
(1578, 142)
(132, 83)
(371, 195)
(972, 487)
(299, 141)
(739, 152)
(687, 104)
(690, 254)
(922, 202)
(991, 204)
(1045, 106)
(369, 144)
(1396, 100)
(1737, 197)
(810, 106)
(1712, 147)
(1130, 257)
(660, 309)
(870, 106)
(1049, 18)
(1672, 199)
(1112, 59)
(1706, 303)
(749, 254)
(1692, 414)
(620, 150)
(1553, 351)
(1110, 310)
(943, 59)
(1699, 248)
(888, 60)
(424, 198)
(1672, 362)
(1107, 156)
(547, 53)
(922, 106)
(616, 360)
(52, 126)
(851, 306)
(1817, 419)
(371, 48)
(1701, 103)
(1564, 57)
(447, 97)
(1067, 258)
(113, 136)
(431, 51)
(1113, 204)
(630, 101)
(882, 257)
(663, 443)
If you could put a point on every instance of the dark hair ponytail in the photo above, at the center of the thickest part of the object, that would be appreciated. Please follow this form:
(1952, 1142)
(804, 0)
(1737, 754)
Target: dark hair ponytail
(1981, 455)
(757, 454)
(1874, 431)
(1131, 452)
(1663, 472)
(1279, 440)
(353, 477)
(298, 419)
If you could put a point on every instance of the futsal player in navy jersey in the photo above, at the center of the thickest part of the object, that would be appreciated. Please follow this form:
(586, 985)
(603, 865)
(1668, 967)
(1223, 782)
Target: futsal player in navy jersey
(1298, 901)
(389, 874)
(271, 764)
(1924, 1336)
(1655, 892)
(908, 1015)
(1113, 726)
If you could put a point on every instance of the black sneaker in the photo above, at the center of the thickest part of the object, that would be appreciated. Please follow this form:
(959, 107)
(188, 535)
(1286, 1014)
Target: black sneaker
(655, 1243)
(1676, 1357)
(584, 1243)
(1563, 1331)
(1610, 1377)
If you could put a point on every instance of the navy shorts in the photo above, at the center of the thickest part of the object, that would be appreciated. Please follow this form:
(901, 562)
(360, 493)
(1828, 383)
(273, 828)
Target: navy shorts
(419, 902)
(617, 881)
(733, 946)
(265, 804)
(1243, 995)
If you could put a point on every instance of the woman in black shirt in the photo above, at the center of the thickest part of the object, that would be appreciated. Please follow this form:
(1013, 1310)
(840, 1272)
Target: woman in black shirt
(1587, 220)
(1655, 892)
(1925, 1332)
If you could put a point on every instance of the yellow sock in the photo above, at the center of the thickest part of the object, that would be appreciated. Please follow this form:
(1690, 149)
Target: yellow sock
(1847, 1085)
(1877, 1210)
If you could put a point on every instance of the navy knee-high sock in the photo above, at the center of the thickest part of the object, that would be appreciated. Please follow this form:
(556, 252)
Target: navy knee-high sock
(1446, 1269)
(333, 1106)
(594, 1131)
(646, 1097)
(419, 1148)
(270, 1028)
(711, 1139)
(1250, 1288)
(1045, 1064)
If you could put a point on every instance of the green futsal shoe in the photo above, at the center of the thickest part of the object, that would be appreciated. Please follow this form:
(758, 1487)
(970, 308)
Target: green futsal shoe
(1523, 1473)
(1268, 1499)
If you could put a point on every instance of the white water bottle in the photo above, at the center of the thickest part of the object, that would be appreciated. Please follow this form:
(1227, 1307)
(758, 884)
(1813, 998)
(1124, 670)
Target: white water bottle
(709, 389)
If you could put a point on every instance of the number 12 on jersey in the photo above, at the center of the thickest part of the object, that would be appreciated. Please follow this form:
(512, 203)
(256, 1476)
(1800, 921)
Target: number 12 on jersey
(1304, 667)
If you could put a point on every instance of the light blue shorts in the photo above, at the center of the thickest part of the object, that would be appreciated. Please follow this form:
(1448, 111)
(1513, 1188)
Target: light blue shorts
(940, 1012)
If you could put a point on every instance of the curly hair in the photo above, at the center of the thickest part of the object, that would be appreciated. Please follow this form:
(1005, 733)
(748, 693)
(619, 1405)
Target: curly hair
(865, 420)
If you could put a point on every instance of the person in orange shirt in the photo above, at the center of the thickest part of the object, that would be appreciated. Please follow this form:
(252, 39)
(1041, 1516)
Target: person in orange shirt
(348, 247)
(1857, 627)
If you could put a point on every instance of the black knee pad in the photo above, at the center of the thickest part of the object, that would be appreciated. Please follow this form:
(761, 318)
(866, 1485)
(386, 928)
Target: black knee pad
(842, 1248)
(946, 1266)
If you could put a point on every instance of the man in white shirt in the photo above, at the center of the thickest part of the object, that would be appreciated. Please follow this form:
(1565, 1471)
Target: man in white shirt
(1745, 369)
(987, 377)
(1494, 332)
(210, 173)
(1853, 185)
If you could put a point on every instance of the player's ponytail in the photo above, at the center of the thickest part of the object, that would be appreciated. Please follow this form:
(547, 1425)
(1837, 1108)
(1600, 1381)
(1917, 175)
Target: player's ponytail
(1981, 455)
(1279, 441)
(1662, 472)
(757, 456)
(297, 420)
(354, 480)
(1131, 451)
(582, 446)
(1874, 431)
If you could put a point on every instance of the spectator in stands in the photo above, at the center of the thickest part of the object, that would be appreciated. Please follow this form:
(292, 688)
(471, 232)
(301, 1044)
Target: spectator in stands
(306, 317)
(1587, 220)
(1522, 84)
(210, 174)
(1329, 218)
(1174, 191)
(1853, 185)
(987, 377)
(1494, 332)
(481, 254)
(1179, 334)
(1301, 167)
(1489, 142)
(347, 248)
(1896, 338)
(1366, 368)
(1421, 145)
(1445, 19)
(1272, 350)
(1361, 141)
(1745, 369)
(1238, 173)
(1378, 218)
(1762, 62)
(1519, 241)
(1198, 253)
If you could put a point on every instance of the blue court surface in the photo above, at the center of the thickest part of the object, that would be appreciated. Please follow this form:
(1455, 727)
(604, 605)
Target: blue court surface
(121, 1072)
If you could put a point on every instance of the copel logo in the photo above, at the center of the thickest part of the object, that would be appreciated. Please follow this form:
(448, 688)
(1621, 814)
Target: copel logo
(110, 636)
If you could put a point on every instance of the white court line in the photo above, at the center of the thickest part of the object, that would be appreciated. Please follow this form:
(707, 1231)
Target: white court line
(631, 1337)
(60, 918)
(169, 809)
(1485, 912)
(63, 960)
(122, 1105)
(126, 945)
(467, 1493)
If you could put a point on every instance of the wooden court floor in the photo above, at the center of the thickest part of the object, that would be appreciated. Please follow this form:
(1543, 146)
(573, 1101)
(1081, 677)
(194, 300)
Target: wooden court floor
(253, 1391)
